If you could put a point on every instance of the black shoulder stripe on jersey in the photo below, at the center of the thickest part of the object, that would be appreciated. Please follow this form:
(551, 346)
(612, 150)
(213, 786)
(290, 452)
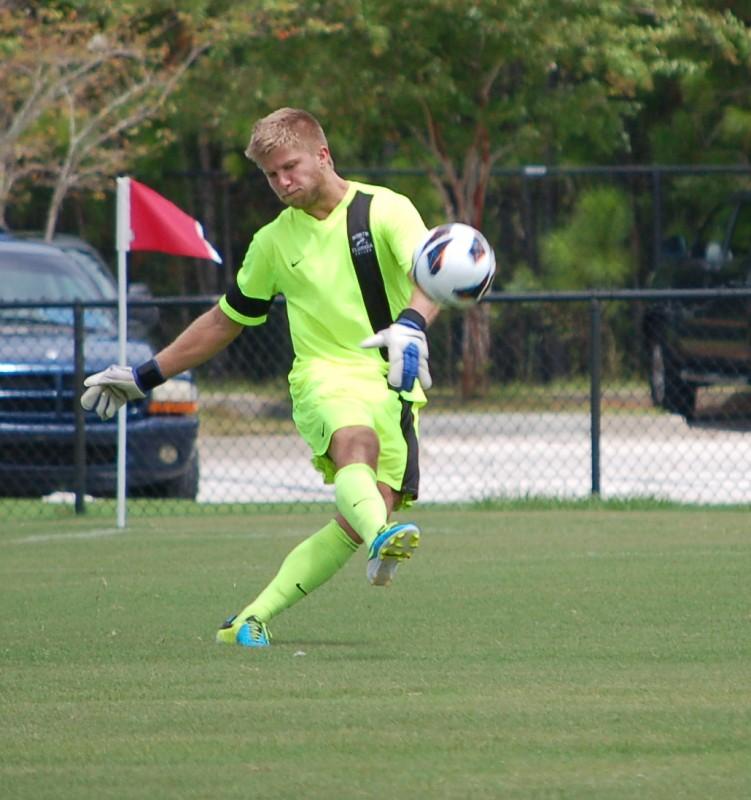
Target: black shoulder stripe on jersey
(365, 261)
(247, 306)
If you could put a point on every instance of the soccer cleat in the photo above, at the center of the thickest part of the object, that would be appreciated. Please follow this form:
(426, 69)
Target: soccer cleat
(251, 633)
(395, 543)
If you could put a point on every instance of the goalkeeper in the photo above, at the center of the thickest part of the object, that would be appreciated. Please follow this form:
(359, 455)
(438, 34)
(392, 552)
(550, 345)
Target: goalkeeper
(340, 254)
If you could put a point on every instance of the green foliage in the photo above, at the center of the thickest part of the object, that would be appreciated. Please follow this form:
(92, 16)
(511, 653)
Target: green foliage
(449, 86)
(522, 279)
(591, 251)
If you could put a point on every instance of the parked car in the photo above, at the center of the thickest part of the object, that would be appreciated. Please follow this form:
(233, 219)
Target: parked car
(141, 319)
(702, 342)
(37, 390)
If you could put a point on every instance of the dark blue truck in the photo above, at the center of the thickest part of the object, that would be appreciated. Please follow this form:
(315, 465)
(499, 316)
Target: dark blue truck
(38, 391)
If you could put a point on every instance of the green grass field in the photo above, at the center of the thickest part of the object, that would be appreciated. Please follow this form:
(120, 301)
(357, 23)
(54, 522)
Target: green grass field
(521, 654)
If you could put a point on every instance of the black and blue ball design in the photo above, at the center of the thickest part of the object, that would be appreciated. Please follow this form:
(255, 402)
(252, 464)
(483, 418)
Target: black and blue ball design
(454, 265)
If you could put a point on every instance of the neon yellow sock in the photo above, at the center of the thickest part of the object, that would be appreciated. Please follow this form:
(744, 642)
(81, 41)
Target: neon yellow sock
(306, 567)
(359, 501)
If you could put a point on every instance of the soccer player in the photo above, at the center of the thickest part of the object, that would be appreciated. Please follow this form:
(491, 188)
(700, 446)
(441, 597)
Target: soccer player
(340, 254)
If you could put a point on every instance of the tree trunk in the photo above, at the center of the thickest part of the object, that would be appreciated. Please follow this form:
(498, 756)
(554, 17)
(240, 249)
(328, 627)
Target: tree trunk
(476, 327)
(208, 278)
(6, 182)
(475, 352)
(53, 210)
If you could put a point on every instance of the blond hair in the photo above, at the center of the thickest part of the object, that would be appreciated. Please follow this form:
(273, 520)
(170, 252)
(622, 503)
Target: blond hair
(283, 128)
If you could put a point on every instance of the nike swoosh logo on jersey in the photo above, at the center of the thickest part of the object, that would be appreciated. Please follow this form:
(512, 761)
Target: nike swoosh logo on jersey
(293, 264)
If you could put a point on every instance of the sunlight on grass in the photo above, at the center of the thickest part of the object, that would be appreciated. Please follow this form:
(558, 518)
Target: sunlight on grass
(582, 653)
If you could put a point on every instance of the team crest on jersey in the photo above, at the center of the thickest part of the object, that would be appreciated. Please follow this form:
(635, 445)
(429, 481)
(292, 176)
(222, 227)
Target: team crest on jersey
(361, 243)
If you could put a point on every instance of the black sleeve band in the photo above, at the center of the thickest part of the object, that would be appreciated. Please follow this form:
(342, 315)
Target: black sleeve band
(413, 316)
(247, 306)
(148, 375)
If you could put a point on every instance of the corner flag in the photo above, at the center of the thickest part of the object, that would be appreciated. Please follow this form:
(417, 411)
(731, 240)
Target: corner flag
(149, 221)
(146, 221)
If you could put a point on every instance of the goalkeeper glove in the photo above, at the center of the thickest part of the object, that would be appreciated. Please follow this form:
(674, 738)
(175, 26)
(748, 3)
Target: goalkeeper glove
(407, 350)
(110, 389)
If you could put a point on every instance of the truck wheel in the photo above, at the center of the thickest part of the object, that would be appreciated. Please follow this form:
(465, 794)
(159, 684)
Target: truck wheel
(668, 389)
(184, 487)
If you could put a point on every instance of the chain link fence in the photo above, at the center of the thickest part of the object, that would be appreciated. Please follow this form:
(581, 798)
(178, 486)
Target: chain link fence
(631, 394)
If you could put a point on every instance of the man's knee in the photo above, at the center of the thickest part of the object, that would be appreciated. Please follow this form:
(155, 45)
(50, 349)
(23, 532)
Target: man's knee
(354, 445)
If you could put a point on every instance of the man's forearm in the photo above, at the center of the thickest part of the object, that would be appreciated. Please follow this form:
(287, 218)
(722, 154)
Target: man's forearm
(424, 305)
(202, 339)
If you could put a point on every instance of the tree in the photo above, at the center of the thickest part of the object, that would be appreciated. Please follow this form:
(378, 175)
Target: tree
(455, 87)
(591, 251)
(76, 90)
(460, 86)
(127, 90)
(387, 64)
(42, 54)
(238, 79)
(466, 84)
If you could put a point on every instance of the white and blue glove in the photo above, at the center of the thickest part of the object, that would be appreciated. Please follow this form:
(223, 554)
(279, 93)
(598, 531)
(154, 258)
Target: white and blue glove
(407, 350)
(111, 388)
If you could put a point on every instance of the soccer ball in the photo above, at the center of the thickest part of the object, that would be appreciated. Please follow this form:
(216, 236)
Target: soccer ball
(454, 265)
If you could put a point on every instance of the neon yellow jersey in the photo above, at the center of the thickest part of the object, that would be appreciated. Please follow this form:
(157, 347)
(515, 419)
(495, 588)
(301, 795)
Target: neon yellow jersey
(308, 261)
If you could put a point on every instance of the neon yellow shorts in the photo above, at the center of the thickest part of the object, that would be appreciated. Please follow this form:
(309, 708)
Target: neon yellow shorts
(345, 397)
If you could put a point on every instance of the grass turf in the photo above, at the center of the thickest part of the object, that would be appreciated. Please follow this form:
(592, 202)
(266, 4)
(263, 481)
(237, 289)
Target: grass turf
(522, 654)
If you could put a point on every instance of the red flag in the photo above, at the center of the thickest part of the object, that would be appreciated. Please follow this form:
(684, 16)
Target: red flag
(154, 223)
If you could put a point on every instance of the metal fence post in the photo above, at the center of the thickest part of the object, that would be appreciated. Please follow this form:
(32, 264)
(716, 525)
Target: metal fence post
(656, 218)
(79, 449)
(595, 370)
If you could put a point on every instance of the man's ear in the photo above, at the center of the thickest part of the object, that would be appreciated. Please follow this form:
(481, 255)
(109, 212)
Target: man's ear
(324, 156)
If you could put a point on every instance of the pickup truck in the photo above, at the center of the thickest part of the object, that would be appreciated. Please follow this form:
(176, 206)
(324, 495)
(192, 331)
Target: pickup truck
(703, 342)
(37, 391)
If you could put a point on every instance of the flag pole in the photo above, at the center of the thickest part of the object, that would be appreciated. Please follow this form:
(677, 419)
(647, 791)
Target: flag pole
(123, 235)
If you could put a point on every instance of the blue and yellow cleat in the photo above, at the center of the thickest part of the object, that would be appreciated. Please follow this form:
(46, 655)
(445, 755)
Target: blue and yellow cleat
(250, 633)
(395, 543)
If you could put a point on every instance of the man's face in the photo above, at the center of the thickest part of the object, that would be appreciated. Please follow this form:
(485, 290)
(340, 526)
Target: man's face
(296, 174)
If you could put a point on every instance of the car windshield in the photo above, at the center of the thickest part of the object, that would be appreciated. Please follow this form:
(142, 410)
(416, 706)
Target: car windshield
(40, 275)
(95, 271)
